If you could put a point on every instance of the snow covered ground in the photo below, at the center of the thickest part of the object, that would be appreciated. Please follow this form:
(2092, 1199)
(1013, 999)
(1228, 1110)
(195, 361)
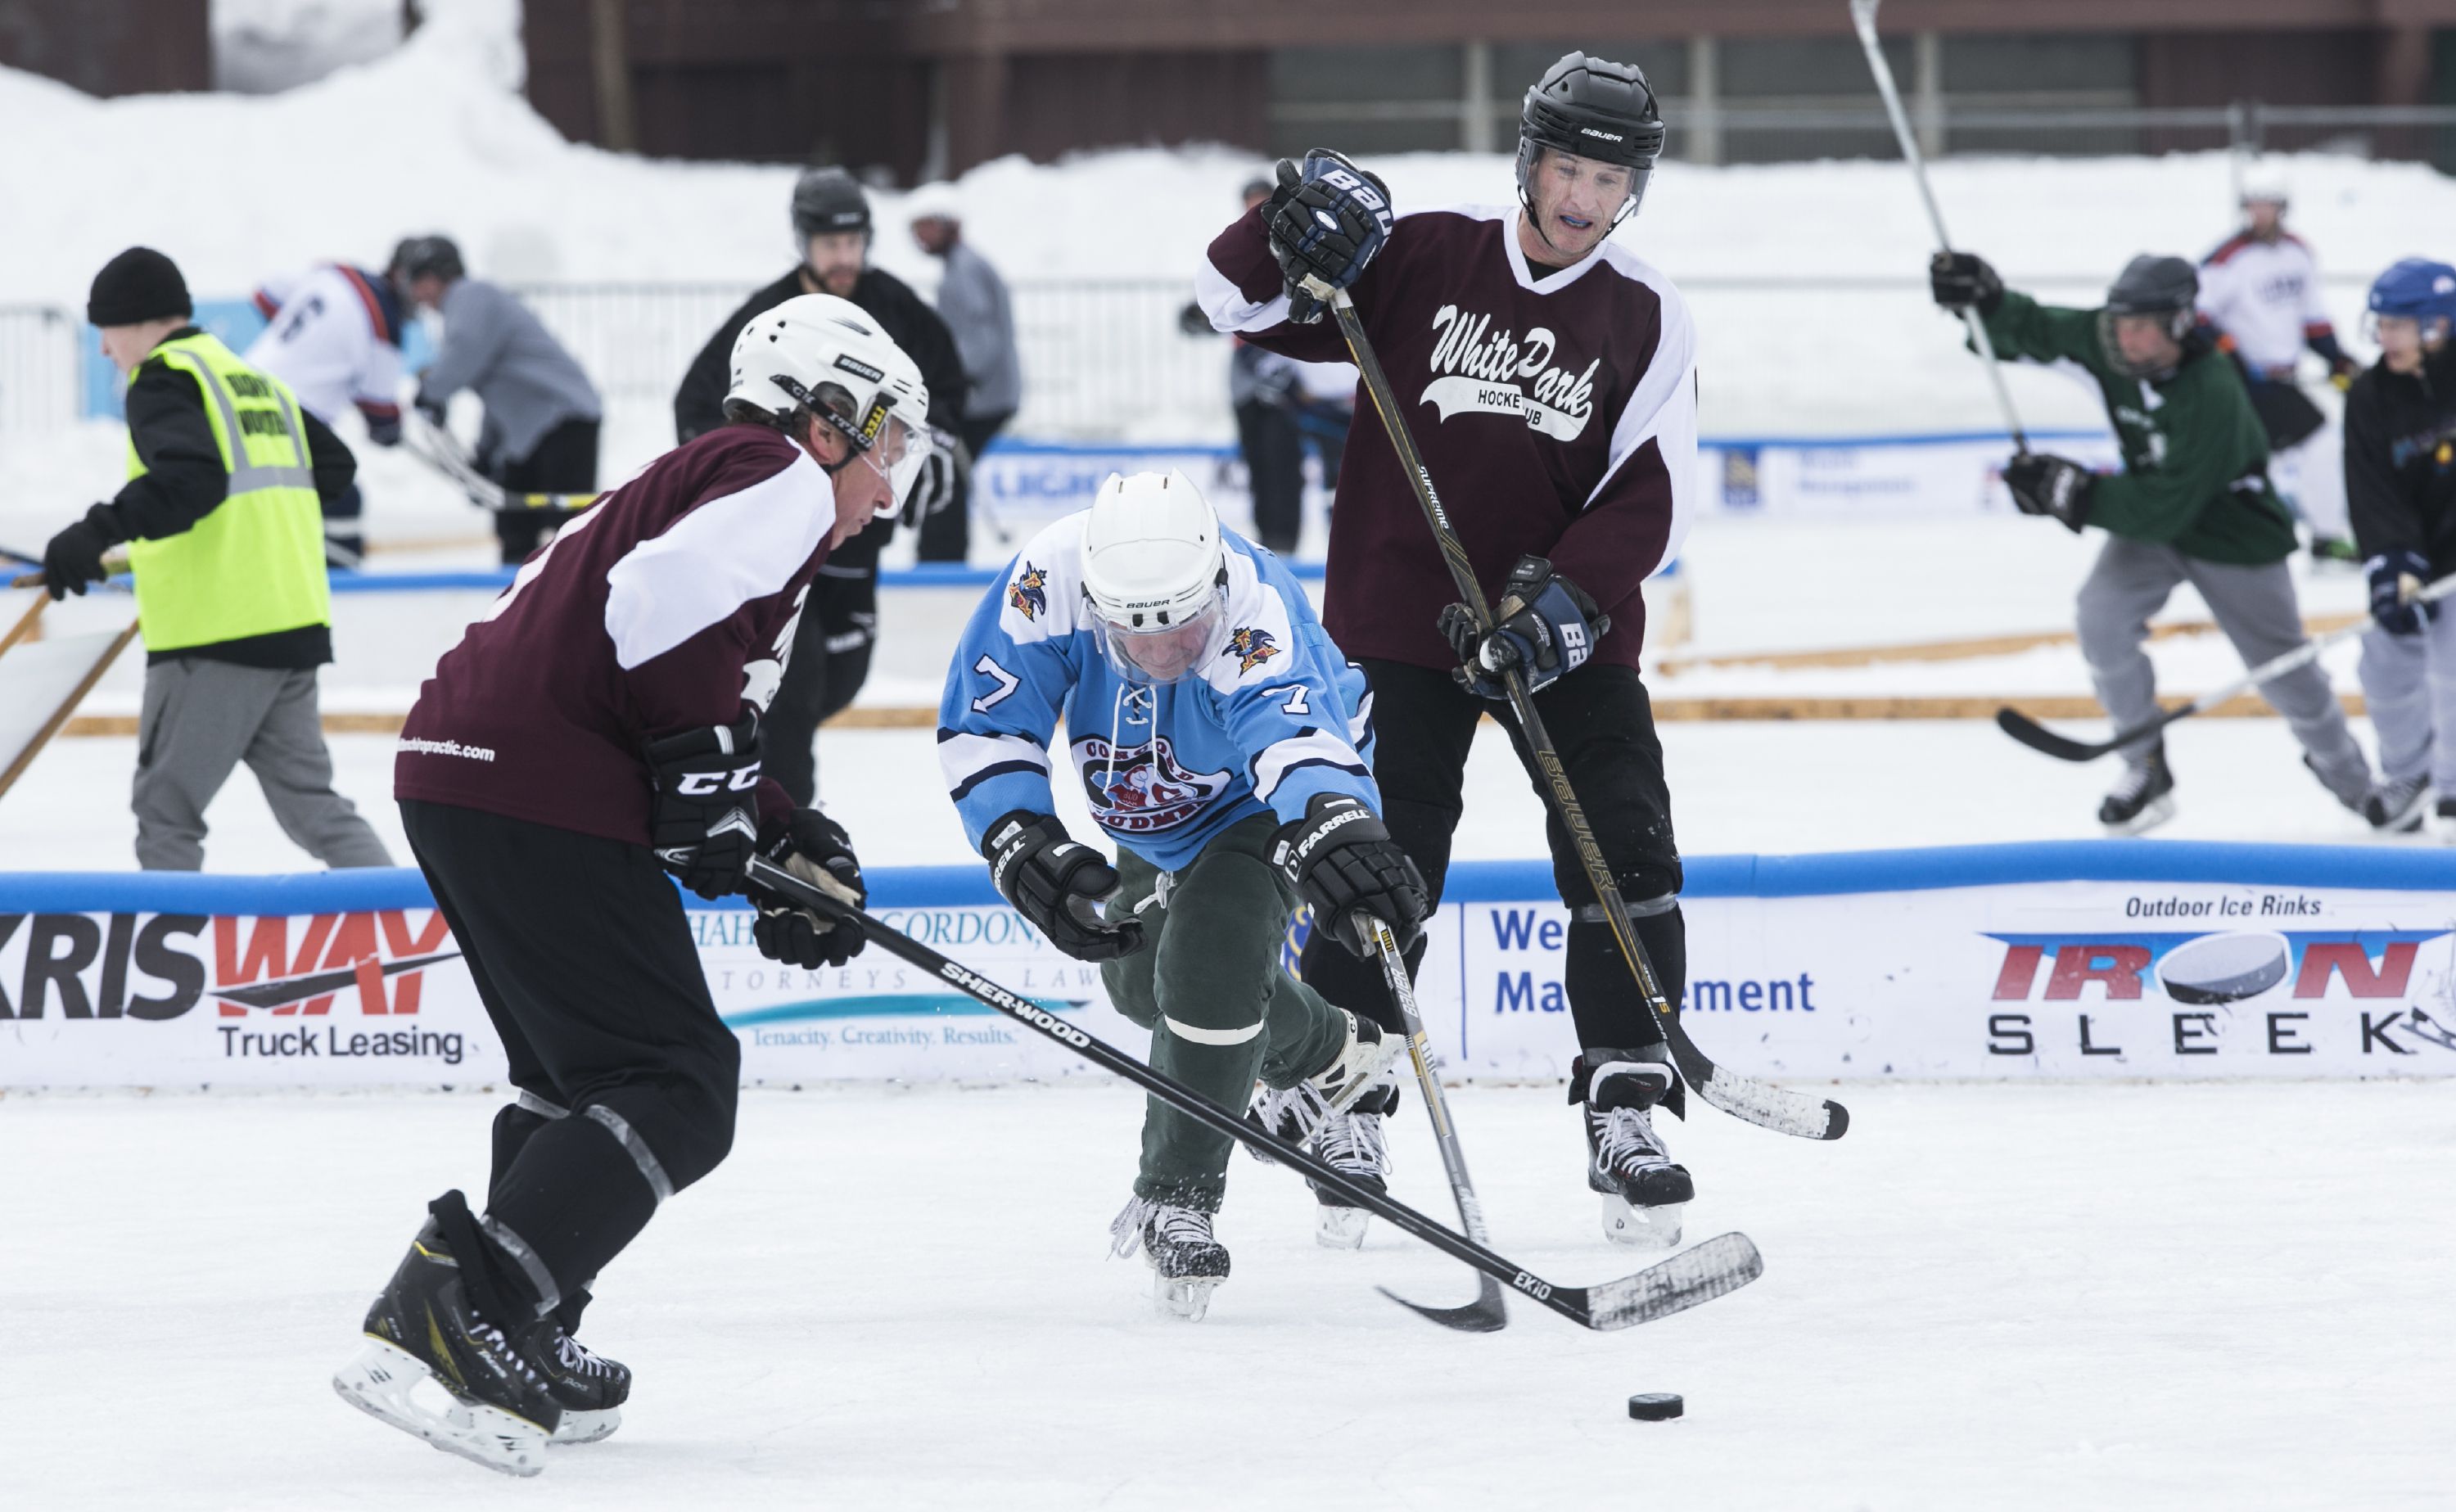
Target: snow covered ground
(2008, 1297)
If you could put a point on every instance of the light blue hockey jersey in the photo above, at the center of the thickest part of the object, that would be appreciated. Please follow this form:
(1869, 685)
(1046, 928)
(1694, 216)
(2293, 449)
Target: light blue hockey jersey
(1278, 717)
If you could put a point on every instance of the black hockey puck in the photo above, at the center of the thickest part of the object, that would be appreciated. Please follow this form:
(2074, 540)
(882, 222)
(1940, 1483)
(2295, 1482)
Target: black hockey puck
(1656, 1406)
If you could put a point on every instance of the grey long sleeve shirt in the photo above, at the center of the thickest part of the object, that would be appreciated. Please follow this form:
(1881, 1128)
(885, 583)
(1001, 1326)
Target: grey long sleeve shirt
(531, 384)
(973, 300)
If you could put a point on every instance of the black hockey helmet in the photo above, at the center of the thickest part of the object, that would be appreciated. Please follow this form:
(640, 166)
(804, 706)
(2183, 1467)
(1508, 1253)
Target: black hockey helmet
(2150, 285)
(1593, 109)
(828, 201)
(418, 257)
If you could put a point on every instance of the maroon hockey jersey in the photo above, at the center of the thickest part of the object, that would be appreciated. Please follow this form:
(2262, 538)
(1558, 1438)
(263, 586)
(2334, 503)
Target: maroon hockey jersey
(666, 608)
(1558, 416)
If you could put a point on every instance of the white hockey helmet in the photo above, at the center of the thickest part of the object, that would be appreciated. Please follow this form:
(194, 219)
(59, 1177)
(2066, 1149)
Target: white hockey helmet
(1157, 574)
(826, 355)
(2266, 185)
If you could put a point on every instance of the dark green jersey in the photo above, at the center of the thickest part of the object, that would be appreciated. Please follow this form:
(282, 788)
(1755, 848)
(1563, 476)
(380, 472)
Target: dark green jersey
(2195, 459)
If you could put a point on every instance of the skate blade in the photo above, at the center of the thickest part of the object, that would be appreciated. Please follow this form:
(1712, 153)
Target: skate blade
(587, 1427)
(2159, 811)
(380, 1383)
(1186, 1299)
(1341, 1228)
(1656, 1228)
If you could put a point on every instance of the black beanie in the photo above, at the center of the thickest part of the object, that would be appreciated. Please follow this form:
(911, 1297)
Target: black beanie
(138, 285)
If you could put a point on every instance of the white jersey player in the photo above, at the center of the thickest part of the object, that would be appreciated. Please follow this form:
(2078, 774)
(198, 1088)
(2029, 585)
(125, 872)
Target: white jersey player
(2261, 290)
(335, 339)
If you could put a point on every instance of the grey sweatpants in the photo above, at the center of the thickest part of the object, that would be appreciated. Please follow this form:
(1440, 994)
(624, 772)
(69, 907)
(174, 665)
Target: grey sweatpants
(2409, 681)
(2254, 607)
(202, 718)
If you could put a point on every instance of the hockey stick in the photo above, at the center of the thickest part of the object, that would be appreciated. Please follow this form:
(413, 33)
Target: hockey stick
(1488, 1313)
(433, 446)
(1721, 1265)
(26, 622)
(1863, 17)
(2046, 742)
(1743, 1098)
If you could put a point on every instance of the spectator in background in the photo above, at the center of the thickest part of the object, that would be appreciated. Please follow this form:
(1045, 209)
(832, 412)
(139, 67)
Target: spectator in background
(1325, 394)
(973, 300)
(2260, 291)
(224, 531)
(539, 435)
(335, 339)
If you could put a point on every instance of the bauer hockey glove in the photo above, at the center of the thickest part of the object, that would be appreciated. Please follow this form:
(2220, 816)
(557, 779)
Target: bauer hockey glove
(704, 806)
(1962, 280)
(1343, 862)
(1544, 626)
(2045, 485)
(1326, 222)
(2396, 577)
(72, 559)
(1059, 885)
(816, 848)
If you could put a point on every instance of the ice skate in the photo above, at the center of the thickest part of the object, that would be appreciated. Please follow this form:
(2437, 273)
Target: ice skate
(1352, 1143)
(426, 1341)
(1644, 1193)
(2142, 799)
(2443, 822)
(1187, 1263)
(1362, 1063)
(1292, 1114)
(591, 1388)
(2398, 804)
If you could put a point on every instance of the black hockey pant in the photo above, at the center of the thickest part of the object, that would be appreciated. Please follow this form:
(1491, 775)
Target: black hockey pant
(627, 1079)
(1603, 725)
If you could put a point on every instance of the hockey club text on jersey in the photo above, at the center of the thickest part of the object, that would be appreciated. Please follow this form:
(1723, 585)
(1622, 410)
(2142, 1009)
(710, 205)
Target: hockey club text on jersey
(1141, 790)
(1480, 371)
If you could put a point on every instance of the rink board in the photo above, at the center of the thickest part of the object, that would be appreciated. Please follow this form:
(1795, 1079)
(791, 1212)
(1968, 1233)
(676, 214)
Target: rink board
(2073, 959)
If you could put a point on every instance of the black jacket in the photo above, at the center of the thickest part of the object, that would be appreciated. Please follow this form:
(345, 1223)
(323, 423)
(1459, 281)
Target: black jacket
(184, 481)
(2401, 460)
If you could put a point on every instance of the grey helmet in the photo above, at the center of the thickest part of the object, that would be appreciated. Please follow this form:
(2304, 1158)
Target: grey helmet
(828, 201)
(2149, 285)
(418, 257)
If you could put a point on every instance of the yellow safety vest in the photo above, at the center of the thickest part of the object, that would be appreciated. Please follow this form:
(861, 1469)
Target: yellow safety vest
(256, 564)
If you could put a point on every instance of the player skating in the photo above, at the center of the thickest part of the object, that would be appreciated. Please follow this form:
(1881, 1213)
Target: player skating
(335, 339)
(596, 731)
(2261, 290)
(1549, 377)
(2401, 480)
(1221, 740)
(2192, 504)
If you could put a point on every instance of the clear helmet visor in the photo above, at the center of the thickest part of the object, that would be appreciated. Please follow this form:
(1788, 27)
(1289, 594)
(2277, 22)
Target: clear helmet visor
(1161, 654)
(896, 452)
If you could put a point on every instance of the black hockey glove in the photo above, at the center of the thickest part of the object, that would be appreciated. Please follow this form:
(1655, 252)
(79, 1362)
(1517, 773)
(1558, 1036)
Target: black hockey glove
(704, 812)
(72, 559)
(2047, 484)
(816, 848)
(2396, 577)
(1326, 222)
(1345, 864)
(1058, 883)
(1960, 280)
(1545, 625)
(385, 430)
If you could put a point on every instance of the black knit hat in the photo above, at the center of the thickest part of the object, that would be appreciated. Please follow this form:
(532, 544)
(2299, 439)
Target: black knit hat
(138, 285)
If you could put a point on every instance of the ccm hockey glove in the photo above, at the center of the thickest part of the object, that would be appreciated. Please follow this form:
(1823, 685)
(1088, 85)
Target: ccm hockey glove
(2396, 577)
(1058, 883)
(703, 812)
(1544, 626)
(1343, 862)
(816, 848)
(1326, 222)
(2045, 485)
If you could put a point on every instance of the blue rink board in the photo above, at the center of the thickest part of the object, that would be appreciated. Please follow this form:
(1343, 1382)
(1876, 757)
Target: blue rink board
(2390, 868)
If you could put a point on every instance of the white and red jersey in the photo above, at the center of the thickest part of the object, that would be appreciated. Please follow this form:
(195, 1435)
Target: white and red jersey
(335, 340)
(666, 608)
(2264, 298)
(1557, 412)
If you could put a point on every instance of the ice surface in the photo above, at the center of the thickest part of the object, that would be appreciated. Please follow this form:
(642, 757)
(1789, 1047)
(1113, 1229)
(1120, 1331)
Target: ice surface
(2009, 1297)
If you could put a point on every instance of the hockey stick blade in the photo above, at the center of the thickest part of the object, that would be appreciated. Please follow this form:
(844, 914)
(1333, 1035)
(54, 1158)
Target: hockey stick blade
(2063, 748)
(1730, 1260)
(1758, 1102)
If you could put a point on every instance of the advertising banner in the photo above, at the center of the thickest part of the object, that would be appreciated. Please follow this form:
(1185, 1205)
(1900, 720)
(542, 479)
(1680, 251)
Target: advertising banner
(2073, 959)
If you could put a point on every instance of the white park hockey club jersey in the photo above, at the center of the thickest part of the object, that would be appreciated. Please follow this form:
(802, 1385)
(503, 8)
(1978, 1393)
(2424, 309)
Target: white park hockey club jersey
(334, 338)
(1277, 717)
(2266, 296)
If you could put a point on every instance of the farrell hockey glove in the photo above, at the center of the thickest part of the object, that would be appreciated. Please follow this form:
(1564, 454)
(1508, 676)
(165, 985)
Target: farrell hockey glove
(2045, 485)
(1343, 862)
(72, 559)
(1962, 280)
(816, 848)
(2396, 577)
(1544, 626)
(1058, 883)
(1326, 222)
(703, 812)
